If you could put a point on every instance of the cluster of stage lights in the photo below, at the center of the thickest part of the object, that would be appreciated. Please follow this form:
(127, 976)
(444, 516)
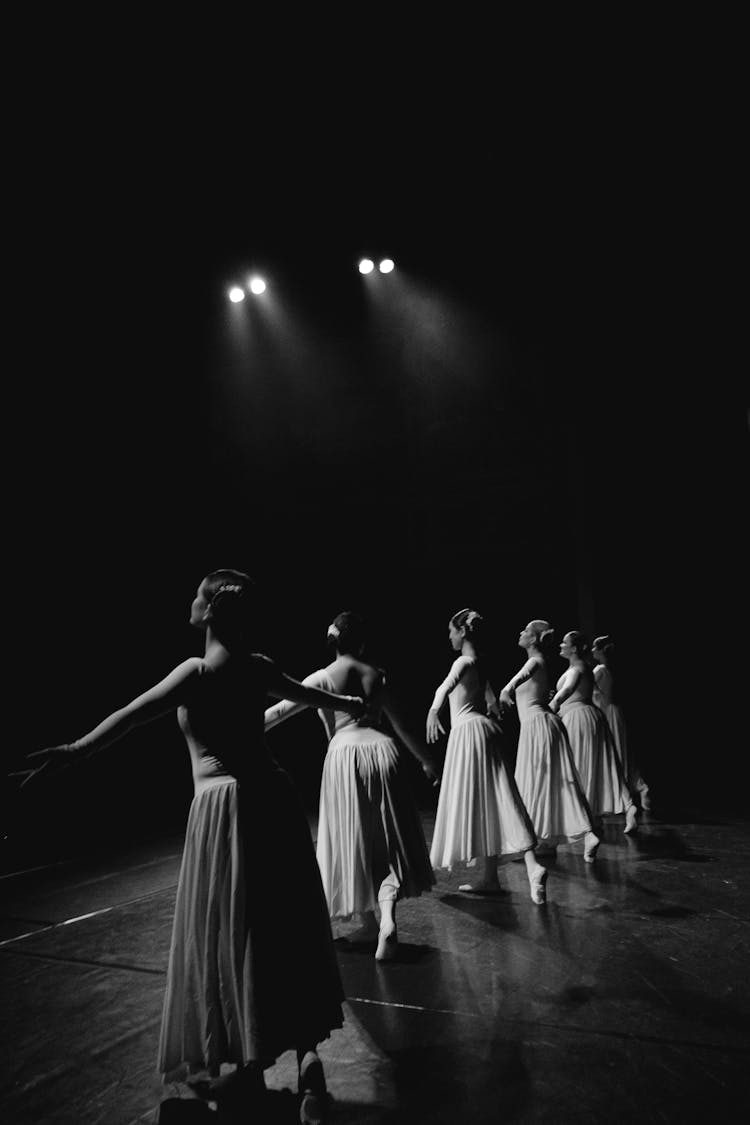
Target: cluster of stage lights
(256, 285)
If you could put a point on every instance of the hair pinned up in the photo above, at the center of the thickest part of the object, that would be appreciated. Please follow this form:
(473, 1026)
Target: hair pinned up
(580, 643)
(346, 633)
(545, 635)
(472, 622)
(229, 595)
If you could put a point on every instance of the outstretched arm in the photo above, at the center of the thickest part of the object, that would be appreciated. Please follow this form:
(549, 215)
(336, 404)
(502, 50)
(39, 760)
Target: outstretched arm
(567, 687)
(288, 707)
(163, 697)
(524, 674)
(282, 686)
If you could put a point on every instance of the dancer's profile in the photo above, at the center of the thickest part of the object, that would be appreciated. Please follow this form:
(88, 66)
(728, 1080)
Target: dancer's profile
(371, 848)
(605, 698)
(591, 743)
(480, 814)
(545, 773)
(241, 989)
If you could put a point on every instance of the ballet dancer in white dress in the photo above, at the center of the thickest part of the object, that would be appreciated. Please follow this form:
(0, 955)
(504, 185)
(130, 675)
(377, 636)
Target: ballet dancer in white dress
(371, 848)
(480, 814)
(545, 773)
(602, 650)
(241, 987)
(594, 754)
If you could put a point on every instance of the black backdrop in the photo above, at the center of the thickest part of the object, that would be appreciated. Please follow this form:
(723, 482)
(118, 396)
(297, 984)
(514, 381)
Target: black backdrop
(529, 416)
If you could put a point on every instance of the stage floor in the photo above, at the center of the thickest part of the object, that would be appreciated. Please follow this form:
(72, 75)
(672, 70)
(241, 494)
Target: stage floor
(624, 999)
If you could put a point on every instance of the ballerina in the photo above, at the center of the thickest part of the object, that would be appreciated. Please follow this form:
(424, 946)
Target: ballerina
(240, 989)
(371, 848)
(594, 754)
(602, 650)
(545, 772)
(480, 814)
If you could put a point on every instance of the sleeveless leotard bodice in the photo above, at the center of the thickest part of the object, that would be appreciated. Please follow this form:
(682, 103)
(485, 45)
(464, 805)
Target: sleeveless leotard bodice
(466, 689)
(223, 721)
(603, 686)
(533, 694)
(583, 692)
(333, 721)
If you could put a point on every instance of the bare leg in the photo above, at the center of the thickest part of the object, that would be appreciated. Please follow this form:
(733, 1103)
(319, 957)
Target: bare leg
(537, 877)
(642, 789)
(489, 884)
(631, 818)
(388, 936)
(591, 842)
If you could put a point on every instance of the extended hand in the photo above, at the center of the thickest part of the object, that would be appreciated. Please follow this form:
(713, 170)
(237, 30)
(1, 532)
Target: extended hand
(45, 763)
(356, 706)
(434, 727)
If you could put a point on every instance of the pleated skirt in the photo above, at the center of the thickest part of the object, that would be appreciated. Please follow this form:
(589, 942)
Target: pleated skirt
(596, 760)
(547, 779)
(480, 812)
(369, 826)
(252, 968)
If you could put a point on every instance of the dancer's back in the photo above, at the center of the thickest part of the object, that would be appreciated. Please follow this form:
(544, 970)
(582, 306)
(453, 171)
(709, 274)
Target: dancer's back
(223, 720)
(365, 680)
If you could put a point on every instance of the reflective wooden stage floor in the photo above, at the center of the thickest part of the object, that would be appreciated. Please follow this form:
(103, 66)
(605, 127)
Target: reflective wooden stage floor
(624, 999)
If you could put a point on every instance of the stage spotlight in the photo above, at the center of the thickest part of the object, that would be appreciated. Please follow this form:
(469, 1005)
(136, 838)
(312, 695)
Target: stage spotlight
(236, 294)
(366, 266)
(387, 265)
(257, 285)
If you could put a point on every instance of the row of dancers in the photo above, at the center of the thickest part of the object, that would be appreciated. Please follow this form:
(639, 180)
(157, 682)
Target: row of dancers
(569, 772)
(241, 987)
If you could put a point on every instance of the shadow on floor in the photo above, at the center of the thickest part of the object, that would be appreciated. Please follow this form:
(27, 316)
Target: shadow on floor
(495, 910)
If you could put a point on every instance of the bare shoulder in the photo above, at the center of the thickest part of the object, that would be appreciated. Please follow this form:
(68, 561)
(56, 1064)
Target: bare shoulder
(371, 677)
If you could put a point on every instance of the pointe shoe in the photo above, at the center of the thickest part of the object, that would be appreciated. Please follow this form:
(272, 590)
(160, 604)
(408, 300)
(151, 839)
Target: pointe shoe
(631, 820)
(312, 1089)
(537, 886)
(387, 944)
(591, 847)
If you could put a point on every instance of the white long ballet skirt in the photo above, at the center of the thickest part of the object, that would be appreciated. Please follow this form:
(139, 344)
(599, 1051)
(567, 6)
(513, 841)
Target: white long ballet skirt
(596, 759)
(369, 829)
(368, 826)
(613, 713)
(547, 779)
(242, 984)
(480, 812)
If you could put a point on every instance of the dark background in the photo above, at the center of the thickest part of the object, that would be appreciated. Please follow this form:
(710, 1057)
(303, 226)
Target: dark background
(535, 415)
